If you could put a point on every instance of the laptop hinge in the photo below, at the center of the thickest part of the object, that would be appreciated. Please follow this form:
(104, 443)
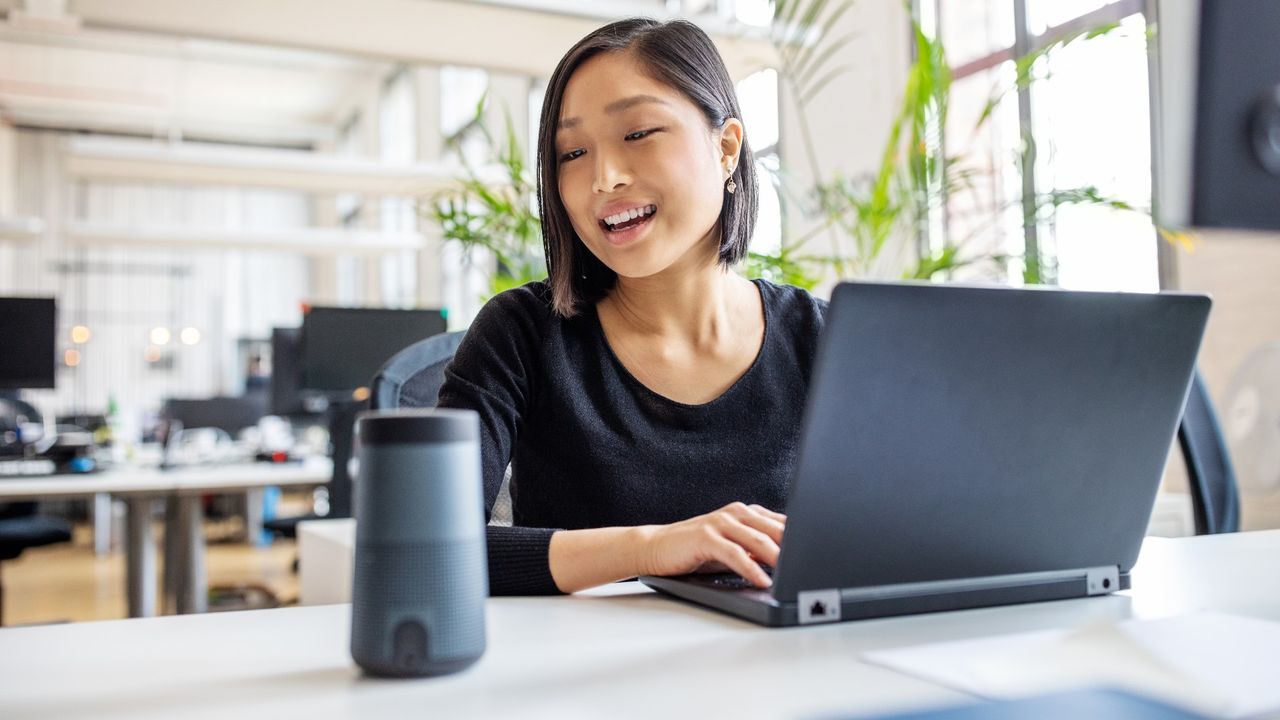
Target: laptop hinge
(818, 606)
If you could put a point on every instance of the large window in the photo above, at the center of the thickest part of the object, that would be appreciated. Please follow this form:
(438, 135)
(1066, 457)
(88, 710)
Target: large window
(461, 91)
(397, 145)
(1080, 129)
(758, 98)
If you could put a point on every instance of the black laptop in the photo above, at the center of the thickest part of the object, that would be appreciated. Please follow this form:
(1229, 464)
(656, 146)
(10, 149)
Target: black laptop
(972, 446)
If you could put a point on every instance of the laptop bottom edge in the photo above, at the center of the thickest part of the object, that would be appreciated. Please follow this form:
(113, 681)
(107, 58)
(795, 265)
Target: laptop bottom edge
(760, 607)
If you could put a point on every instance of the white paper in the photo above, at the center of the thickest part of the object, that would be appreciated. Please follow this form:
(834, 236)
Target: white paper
(1218, 664)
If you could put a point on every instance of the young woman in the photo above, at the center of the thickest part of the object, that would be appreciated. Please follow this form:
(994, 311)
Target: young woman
(648, 398)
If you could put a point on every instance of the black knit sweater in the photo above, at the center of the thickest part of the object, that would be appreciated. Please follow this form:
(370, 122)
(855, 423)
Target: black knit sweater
(590, 446)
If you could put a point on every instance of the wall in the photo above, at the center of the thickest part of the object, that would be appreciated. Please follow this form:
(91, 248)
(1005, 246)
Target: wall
(1241, 270)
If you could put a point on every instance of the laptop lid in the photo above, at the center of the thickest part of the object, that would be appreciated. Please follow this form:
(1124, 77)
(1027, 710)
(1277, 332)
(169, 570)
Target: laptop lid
(959, 432)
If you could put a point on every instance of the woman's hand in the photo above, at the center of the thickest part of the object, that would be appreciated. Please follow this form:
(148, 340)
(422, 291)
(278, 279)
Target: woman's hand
(737, 537)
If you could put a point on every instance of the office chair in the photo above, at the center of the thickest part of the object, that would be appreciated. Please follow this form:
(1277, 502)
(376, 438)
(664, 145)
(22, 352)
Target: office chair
(413, 376)
(21, 528)
(1215, 501)
(412, 379)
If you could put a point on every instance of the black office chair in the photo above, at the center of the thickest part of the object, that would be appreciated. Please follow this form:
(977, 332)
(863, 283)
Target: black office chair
(413, 376)
(1215, 501)
(22, 528)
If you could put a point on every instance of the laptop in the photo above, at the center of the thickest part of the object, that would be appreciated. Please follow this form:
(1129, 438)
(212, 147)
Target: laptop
(972, 446)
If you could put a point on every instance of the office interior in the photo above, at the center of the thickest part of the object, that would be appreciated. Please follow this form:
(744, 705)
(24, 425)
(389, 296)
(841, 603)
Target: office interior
(219, 220)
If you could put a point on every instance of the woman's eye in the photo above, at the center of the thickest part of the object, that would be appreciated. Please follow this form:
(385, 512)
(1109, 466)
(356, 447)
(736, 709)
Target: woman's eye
(571, 155)
(640, 134)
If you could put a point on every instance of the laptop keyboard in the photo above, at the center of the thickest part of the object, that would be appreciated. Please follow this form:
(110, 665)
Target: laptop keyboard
(729, 581)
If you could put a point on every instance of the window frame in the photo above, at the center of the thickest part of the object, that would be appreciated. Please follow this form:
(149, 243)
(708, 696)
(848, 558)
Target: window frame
(1027, 42)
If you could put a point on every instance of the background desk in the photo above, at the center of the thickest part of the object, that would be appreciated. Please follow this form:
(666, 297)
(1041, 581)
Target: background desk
(618, 651)
(184, 533)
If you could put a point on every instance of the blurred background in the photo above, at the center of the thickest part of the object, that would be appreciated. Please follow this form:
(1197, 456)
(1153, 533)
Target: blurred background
(196, 184)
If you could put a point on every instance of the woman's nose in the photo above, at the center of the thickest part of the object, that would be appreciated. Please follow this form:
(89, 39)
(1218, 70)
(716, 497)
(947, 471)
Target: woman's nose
(610, 174)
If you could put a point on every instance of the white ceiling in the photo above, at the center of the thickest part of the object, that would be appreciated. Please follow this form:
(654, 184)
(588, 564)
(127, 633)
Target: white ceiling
(284, 72)
(153, 84)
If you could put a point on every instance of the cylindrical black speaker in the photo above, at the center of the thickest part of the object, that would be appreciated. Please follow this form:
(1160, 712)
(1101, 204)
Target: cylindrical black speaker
(420, 581)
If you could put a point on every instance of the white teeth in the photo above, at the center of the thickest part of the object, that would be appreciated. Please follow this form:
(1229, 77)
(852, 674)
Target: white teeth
(630, 214)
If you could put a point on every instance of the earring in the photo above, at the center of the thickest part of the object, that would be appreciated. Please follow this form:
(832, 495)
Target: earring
(732, 187)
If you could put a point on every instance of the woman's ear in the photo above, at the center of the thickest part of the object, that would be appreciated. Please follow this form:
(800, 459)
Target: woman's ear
(731, 135)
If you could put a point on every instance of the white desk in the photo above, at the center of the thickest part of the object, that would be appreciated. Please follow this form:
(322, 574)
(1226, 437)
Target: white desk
(326, 561)
(621, 651)
(140, 487)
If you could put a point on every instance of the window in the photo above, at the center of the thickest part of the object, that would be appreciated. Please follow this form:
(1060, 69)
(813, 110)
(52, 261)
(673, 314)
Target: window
(461, 90)
(753, 12)
(397, 145)
(758, 98)
(465, 280)
(1082, 123)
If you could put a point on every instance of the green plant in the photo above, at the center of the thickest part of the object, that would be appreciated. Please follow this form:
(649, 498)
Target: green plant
(495, 215)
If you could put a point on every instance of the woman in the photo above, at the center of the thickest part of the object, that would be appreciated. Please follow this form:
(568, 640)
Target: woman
(648, 398)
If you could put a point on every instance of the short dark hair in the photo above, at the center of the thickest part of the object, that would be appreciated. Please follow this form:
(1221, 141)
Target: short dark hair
(679, 54)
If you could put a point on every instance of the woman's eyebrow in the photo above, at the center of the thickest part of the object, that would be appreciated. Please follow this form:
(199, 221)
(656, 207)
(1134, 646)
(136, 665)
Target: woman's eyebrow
(616, 106)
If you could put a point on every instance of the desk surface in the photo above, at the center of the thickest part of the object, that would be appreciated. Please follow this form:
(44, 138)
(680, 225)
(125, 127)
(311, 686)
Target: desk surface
(127, 480)
(617, 651)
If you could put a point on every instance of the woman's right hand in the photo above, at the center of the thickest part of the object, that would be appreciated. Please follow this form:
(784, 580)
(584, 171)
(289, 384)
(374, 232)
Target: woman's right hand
(737, 538)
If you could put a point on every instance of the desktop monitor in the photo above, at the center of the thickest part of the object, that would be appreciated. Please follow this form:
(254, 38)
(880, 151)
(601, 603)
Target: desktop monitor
(231, 414)
(286, 373)
(1236, 182)
(342, 348)
(28, 342)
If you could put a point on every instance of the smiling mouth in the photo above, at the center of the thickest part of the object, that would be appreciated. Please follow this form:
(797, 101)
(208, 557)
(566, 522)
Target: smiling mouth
(626, 221)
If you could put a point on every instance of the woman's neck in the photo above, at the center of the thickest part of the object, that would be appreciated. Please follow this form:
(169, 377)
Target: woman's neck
(701, 305)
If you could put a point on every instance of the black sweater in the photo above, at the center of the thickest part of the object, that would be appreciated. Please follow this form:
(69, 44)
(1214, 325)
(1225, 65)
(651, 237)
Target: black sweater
(590, 446)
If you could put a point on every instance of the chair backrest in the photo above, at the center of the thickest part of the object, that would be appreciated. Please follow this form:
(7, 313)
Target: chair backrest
(413, 376)
(1214, 498)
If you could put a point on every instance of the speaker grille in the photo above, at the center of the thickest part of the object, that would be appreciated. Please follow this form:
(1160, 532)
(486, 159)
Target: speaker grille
(441, 585)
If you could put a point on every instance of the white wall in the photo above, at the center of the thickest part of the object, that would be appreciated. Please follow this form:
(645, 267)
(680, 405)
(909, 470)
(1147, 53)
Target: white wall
(8, 166)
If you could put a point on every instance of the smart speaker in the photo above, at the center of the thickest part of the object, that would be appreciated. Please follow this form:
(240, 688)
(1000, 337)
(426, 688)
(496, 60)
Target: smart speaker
(420, 580)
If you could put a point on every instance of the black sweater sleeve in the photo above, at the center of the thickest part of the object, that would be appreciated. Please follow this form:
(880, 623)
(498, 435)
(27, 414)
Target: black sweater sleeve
(495, 373)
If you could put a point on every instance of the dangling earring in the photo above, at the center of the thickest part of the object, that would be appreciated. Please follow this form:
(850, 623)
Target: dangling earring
(732, 186)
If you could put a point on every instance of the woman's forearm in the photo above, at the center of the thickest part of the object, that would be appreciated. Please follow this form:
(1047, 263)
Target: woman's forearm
(581, 559)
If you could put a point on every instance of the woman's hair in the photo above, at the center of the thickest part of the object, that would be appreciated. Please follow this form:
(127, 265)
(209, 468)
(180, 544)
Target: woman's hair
(676, 53)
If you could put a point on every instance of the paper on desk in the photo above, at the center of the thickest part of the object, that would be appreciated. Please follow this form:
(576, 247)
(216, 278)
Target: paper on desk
(1218, 664)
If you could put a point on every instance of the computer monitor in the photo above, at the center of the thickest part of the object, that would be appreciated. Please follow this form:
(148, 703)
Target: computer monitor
(286, 373)
(1236, 181)
(342, 348)
(231, 414)
(28, 342)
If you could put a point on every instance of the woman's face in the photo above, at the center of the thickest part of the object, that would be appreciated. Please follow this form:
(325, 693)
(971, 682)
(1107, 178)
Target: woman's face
(640, 172)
